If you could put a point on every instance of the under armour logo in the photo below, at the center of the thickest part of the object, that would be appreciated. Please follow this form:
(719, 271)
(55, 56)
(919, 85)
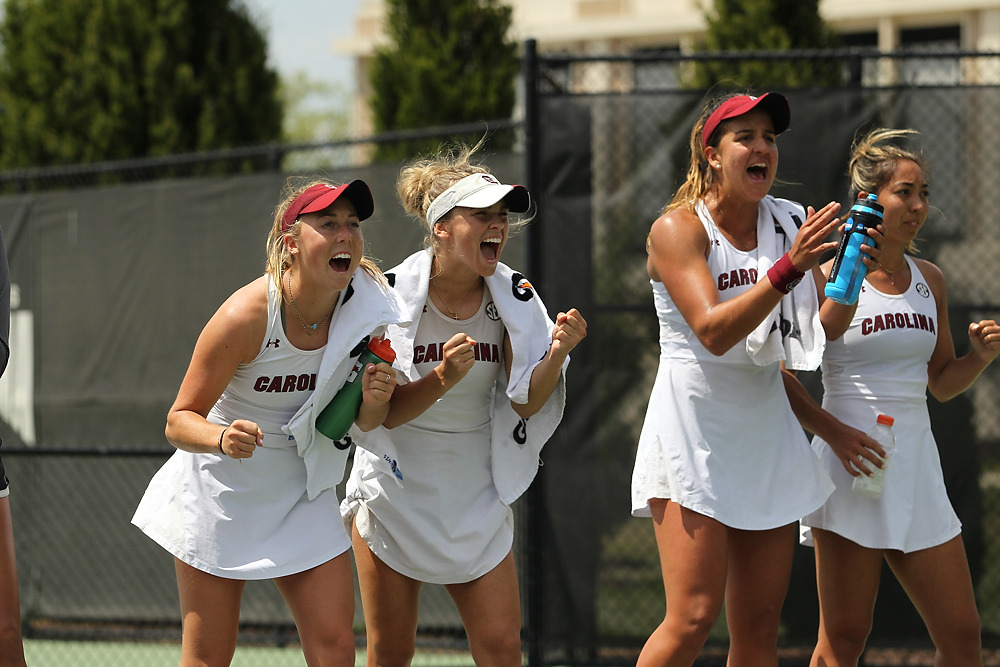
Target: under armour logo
(274, 342)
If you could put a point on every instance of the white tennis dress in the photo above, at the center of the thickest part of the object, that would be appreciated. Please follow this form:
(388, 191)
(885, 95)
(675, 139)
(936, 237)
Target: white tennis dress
(446, 523)
(719, 436)
(249, 518)
(879, 366)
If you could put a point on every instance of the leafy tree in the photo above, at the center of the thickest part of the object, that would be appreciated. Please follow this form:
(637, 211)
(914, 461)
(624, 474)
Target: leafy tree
(92, 80)
(315, 111)
(766, 25)
(446, 62)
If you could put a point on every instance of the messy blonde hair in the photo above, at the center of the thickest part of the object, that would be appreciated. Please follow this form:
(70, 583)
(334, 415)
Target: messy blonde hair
(874, 159)
(423, 180)
(279, 259)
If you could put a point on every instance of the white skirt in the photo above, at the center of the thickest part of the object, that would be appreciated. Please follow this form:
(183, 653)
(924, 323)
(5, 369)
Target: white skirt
(722, 440)
(445, 524)
(241, 519)
(914, 511)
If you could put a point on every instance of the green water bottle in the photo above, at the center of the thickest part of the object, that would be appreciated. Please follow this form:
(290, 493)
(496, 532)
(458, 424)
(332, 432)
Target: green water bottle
(337, 417)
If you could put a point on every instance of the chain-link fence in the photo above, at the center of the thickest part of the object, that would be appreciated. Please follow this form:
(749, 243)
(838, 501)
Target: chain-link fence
(612, 140)
(118, 266)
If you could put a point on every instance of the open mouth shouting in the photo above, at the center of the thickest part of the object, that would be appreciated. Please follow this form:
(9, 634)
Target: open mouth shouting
(490, 248)
(341, 262)
(758, 171)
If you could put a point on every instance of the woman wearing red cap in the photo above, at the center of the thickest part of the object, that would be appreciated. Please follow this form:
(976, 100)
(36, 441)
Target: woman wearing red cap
(249, 493)
(479, 359)
(723, 466)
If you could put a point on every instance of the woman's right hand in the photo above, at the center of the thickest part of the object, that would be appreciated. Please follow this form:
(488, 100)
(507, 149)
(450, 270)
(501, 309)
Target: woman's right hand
(810, 243)
(458, 355)
(241, 438)
(858, 452)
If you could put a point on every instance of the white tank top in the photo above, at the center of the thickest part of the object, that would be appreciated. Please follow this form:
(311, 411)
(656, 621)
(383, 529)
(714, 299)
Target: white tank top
(886, 348)
(734, 272)
(467, 405)
(446, 524)
(719, 436)
(271, 388)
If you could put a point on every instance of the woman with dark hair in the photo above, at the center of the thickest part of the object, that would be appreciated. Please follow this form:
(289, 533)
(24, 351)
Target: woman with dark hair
(885, 352)
(723, 467)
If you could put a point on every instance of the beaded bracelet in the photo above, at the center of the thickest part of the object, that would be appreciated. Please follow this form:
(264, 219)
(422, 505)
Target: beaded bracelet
(783, 275)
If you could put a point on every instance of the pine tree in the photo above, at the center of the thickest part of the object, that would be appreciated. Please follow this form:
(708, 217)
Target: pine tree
(91, 80)
(446, 63)
(766, 25)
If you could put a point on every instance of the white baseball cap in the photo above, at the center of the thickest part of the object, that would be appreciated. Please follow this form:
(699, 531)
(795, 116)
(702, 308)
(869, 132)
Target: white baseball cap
(478, 191)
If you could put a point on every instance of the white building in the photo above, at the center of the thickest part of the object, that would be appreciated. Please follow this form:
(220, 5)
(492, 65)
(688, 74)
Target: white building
(622, 26)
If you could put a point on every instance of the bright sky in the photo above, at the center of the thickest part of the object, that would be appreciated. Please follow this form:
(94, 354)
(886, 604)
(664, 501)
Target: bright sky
(301, 34)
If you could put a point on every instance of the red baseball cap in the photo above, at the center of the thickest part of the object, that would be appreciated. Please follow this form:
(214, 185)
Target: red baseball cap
(774, 104)
(321, 195)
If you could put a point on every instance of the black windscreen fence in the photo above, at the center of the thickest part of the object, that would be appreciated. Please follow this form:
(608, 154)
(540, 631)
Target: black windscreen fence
(114, 277)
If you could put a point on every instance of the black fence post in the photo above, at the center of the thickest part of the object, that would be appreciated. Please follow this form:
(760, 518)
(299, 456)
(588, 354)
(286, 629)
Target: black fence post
(535, 496)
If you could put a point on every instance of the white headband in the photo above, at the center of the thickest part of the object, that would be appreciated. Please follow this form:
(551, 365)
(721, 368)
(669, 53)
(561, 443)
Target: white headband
(477, 191)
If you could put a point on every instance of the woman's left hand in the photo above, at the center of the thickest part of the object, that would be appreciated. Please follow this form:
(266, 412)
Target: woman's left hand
(810, 243)
(379, 383)
(569, 330)
(985, 338)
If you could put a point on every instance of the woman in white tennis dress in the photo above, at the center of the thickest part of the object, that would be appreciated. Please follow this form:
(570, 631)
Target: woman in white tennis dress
(249, 493)
(723, 467)
(884, 353)
(480, 358)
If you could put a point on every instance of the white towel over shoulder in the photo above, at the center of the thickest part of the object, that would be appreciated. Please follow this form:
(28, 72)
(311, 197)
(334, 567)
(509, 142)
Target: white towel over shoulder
(792, 332)
(516, 443)
(365, 309)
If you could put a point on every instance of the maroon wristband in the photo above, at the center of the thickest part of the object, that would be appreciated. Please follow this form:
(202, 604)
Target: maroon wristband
(783, 275)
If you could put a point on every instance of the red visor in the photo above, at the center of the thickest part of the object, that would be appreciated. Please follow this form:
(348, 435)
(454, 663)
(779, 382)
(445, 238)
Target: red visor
(321, 195)
(774, 104)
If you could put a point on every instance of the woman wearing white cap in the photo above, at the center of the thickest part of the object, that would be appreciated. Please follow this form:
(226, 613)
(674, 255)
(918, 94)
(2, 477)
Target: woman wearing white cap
(723, 466)
(480, 358)
(249, 493)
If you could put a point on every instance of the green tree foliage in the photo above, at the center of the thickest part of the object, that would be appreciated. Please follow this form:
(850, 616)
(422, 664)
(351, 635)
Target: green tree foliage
(91, 80)
(766, 25)
(446, 62)
(315, 111)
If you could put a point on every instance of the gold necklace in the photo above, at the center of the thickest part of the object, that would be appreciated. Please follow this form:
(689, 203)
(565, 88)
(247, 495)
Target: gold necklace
(309, 330)
(892, 274)
(454, 315)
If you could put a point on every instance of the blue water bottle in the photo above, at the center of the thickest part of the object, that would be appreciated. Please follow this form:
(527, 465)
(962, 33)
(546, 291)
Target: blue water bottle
(844, 283)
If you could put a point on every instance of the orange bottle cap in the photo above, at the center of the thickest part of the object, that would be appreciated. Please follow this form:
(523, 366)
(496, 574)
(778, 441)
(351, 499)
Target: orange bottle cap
(381, 348)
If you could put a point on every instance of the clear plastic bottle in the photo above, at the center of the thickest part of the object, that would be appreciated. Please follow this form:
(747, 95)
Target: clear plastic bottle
(883, 434)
